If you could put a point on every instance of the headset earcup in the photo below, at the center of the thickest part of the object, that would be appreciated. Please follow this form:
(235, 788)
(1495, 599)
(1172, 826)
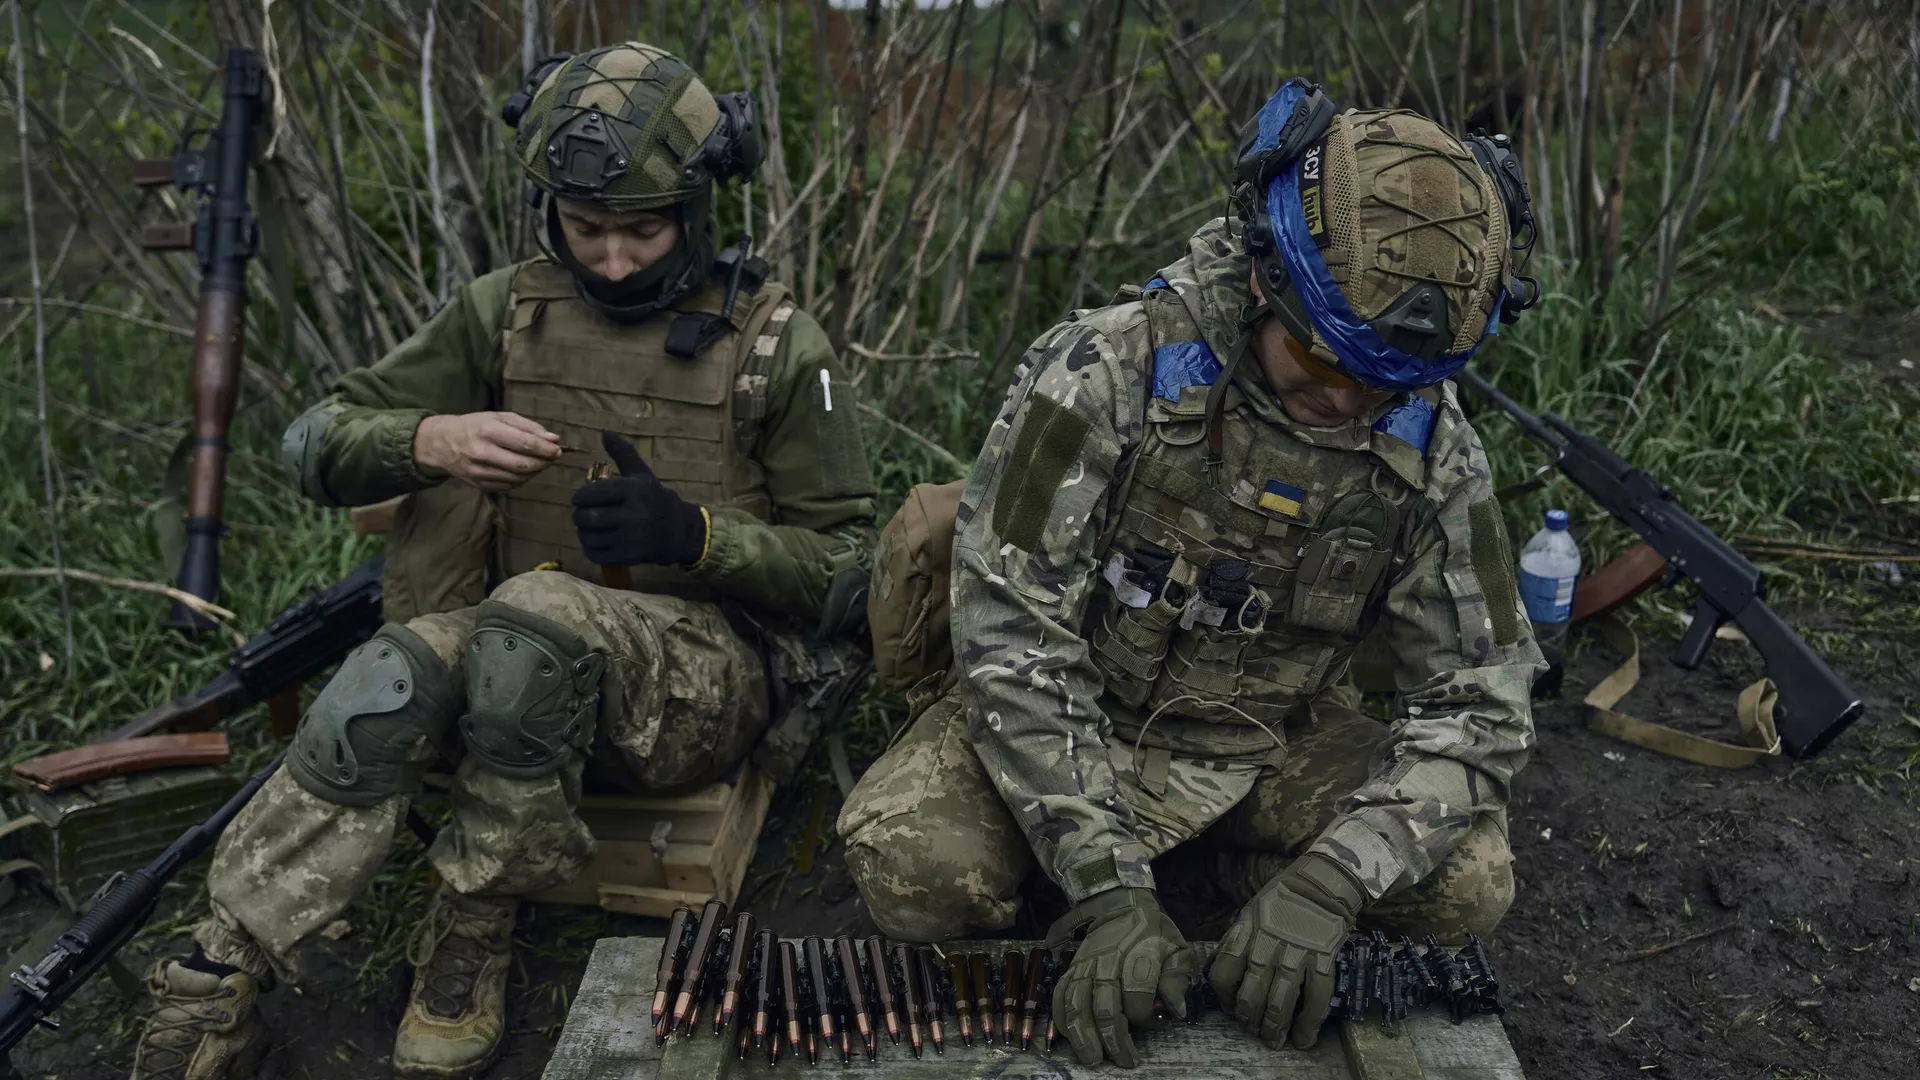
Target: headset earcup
(734, 150)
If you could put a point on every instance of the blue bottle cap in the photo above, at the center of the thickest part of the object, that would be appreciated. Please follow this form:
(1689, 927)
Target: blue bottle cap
(1557, 520)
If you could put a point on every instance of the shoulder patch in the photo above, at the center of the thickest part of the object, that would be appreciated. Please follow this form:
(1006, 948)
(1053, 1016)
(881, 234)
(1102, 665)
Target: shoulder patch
(1411, 422)
(1180, 364)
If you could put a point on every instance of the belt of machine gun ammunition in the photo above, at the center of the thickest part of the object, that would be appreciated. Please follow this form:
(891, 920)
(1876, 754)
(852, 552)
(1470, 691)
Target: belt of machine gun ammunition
(1370, 970)
(842, 996)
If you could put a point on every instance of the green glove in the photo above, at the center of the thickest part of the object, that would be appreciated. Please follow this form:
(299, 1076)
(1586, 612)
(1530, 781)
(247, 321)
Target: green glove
(1279, 953)
(1131, 950)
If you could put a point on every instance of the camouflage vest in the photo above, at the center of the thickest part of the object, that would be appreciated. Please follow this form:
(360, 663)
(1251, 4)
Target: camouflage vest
(695, 421)
(1237, 589)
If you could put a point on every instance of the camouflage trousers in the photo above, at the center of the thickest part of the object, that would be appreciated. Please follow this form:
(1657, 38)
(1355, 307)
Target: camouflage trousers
(684, 697)
(936, 853)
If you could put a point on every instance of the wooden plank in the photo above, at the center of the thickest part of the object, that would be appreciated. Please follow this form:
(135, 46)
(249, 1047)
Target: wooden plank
(1378, 1052)
(375, 519)
(607, 1035)
(712, 798)
(740, 834)
(709, 844)
(1475, 1050)
(646, 900)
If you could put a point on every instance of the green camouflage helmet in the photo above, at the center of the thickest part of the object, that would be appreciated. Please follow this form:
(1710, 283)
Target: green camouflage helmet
(627, 127)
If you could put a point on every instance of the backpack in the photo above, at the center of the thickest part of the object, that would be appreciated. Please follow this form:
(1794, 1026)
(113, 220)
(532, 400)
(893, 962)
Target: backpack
(908, 606)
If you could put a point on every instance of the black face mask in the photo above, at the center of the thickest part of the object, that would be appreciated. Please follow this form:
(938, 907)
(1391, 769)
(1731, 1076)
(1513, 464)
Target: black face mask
(648, 291)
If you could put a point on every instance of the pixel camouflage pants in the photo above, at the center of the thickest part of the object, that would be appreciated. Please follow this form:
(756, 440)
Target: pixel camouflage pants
(936, 853)
(692, 698)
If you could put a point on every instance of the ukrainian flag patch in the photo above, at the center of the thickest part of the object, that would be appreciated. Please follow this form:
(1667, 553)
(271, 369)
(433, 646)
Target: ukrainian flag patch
(1282, 498)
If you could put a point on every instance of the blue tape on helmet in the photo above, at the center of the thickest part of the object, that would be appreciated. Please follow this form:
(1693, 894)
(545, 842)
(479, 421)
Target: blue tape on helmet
(1362, 352)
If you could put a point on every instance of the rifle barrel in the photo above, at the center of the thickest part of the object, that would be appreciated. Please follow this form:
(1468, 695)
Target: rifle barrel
(1529, 423)
(123, 908)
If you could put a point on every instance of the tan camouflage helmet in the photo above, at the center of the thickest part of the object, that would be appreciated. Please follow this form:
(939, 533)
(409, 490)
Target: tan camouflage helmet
(1378, 237)
(1406, 202)
(623, 126)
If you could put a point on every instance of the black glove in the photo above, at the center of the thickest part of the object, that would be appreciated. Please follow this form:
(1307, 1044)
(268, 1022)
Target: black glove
(633, 518)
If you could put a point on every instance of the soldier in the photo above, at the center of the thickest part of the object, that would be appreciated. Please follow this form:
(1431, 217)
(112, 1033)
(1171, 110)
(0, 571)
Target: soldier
(1193, 507)
(743, 510)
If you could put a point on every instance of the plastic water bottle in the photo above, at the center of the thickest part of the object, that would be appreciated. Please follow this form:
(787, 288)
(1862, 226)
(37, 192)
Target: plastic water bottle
(1549, 565)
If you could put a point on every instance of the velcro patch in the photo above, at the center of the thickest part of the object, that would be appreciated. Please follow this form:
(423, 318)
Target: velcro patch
(1492, 558)
(1046, 448)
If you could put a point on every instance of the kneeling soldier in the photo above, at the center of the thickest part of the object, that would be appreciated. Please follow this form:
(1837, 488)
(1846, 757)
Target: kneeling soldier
(743, 523)
(1193, 507)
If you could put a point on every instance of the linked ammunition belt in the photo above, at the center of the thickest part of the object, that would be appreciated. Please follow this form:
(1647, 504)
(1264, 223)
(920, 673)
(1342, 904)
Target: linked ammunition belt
(1371, 970)
(818, 996)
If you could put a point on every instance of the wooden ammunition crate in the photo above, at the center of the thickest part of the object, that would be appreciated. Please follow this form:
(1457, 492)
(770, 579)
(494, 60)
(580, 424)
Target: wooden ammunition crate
(93, 830)
(607, 1036)
(655, 854)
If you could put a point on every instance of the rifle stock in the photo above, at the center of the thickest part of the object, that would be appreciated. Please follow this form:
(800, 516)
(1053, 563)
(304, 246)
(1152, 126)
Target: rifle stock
(1814, 704)
(307, 638)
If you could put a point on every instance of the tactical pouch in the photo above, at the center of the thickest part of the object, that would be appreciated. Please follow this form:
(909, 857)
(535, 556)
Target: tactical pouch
(1343, 564)
(1130, 642)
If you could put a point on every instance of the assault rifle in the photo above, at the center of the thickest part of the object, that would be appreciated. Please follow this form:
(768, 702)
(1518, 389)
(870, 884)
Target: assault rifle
(222, 240)
(121, 907)
(302, 641)
(1814, 705)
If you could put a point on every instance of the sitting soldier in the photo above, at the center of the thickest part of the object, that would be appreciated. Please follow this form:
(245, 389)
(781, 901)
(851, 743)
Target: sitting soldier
(1193, 507)
(742, 527)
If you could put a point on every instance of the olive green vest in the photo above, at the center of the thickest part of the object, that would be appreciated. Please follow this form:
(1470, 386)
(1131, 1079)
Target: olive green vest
(695, 421)
(1316, 528)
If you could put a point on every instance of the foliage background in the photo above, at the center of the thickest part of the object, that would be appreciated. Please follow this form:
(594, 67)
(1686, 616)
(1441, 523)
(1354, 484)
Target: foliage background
(1729, 240)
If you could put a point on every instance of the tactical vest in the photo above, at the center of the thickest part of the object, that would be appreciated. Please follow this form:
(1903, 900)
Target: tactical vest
(696, 421)
(1236, 589)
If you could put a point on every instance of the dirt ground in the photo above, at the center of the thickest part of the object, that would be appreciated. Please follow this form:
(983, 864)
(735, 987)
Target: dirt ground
(1672, 920)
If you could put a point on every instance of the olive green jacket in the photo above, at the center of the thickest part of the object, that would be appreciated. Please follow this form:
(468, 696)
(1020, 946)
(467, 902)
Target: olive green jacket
(822, 522)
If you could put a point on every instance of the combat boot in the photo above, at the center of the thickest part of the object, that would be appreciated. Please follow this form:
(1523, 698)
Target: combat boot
(455, 1023)
(203, 1027)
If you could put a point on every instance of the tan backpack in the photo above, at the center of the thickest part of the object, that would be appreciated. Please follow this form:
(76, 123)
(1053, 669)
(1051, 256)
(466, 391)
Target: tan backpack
(908, 610)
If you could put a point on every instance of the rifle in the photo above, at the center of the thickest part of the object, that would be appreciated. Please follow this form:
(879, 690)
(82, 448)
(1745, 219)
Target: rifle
(1814, 705)
(121, 907)
(302, 641)
(223, 238)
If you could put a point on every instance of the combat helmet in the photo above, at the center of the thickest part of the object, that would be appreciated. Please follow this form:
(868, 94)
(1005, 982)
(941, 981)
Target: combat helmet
(631, 127)
(1387, 247)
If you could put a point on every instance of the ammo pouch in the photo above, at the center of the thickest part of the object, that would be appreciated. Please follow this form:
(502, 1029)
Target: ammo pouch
(1130, 646)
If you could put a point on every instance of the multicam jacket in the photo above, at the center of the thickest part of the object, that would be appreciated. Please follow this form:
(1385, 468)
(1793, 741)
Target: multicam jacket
(756, 428)
(1127, 601)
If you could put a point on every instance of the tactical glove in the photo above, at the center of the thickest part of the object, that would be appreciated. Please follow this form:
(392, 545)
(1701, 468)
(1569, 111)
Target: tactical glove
(635, 519)
(1279, 954)
(1131, 950)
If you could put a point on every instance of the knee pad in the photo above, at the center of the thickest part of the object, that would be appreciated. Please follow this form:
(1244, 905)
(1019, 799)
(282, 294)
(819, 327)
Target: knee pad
(354, 744)
(533, 688)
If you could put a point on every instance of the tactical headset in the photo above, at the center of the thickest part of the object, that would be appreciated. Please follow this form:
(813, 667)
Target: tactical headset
(732, 151)
(1404, 342)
